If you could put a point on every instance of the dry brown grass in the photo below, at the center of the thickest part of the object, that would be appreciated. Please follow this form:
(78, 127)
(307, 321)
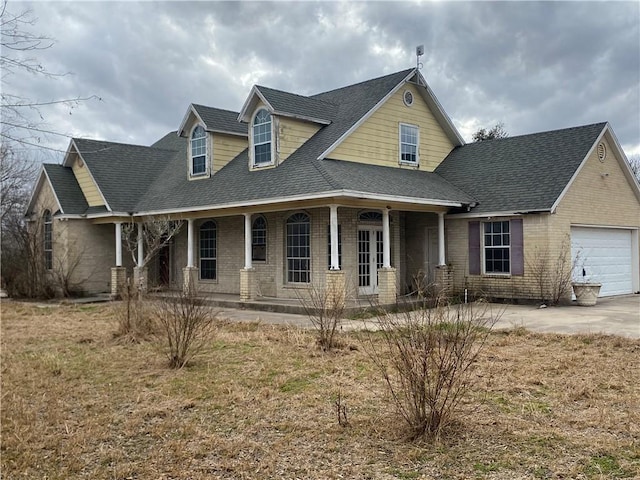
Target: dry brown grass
(260, 404)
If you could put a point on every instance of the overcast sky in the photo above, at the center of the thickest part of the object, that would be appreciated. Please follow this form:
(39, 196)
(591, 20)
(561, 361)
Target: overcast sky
(534, 66)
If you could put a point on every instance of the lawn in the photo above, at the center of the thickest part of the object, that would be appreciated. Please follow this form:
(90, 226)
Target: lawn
(260, 403)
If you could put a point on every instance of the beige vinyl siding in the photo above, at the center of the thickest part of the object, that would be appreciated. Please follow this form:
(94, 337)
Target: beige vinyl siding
(226, 148)
(292, 134)
(376, 141)
(87, 185)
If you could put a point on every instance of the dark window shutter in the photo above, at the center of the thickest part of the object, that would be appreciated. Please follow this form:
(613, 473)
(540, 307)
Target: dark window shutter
(517, 249)
(474, 248)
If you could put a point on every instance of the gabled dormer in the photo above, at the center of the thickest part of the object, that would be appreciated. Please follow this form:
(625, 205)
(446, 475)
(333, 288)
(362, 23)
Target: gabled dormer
(279, 123)
(214, 136)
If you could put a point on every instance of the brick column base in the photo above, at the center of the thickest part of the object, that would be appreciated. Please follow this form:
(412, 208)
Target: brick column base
(444, 280)
(247, 284)
(118, 280)
(141, 279)
(387, 286)
(336, 288)
(190, 280)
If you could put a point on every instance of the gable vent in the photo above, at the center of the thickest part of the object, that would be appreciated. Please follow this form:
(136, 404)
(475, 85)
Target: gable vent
(602, 152)
(407, 98)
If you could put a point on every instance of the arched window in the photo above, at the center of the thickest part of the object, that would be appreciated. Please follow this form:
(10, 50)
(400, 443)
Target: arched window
(370, 217)
(262, 138)
(299, 248)
(208, 250)
(198, 151)
(47, 236)
(259, 239)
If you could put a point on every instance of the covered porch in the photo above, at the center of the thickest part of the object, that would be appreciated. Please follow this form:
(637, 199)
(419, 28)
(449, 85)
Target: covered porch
(363, 251)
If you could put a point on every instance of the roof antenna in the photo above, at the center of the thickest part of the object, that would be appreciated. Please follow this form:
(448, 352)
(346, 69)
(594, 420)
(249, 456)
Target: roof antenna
(419, 53)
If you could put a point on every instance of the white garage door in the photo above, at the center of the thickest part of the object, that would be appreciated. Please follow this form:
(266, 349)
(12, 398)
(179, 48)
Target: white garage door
(604, 254)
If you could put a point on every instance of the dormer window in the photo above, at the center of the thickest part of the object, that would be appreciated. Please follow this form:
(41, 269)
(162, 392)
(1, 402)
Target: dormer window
(262, 138)
(198, 151)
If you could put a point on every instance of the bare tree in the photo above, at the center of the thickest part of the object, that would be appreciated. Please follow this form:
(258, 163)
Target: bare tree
(16, 176)
(497, 131)
(634, 163)
(22, 119)
(157, 233)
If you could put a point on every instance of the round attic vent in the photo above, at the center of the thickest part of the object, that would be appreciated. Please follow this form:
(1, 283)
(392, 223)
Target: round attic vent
(407, 98)
(602, 152)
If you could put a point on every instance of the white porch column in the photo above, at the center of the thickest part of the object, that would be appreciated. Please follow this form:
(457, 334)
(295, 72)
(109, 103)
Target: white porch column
(386, 240)
(333, 228)
(140, 246)
(190, 238)
(118, 244)
(441, 259)
(247, 241)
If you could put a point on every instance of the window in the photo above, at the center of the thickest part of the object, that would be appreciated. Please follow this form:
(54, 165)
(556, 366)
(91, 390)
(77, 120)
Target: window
(208, 250)
(329, 246)
(262, 138)
(198, 151)
(47, 235)
(298, 248)
(497, 247)
(259, 239)
(409, 136)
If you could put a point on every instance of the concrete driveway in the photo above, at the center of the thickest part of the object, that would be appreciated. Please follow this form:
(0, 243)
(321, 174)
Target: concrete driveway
(612, 315)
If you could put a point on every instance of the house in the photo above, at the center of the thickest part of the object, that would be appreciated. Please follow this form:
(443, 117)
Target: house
(363, 189)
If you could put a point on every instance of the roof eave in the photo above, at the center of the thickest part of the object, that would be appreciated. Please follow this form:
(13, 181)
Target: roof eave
(347, 194)
(439, 112)
(302, 117)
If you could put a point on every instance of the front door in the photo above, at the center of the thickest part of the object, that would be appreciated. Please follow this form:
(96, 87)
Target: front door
(164, 265)
(369, 259)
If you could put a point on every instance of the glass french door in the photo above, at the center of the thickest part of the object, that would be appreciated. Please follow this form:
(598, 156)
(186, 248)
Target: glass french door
(369, 259)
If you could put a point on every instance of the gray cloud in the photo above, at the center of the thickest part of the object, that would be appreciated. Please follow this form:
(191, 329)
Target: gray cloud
(532, 65)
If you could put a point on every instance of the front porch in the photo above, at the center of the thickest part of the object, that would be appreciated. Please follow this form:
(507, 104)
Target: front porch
(269, 260)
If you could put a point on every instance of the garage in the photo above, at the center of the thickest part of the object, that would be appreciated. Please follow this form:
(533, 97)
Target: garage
(605, 255)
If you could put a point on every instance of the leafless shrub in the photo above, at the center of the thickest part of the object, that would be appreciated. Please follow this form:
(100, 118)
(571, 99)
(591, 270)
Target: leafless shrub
(552, 273)
(185, 327)
(135, 322)
(341, 410)
(428, 360)
(324, 305)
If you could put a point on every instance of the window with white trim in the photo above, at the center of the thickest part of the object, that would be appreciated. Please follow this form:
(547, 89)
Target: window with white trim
(299, 248)
(409, 140)
(208, 250)
(198, 151)
(497, 247)
(259, 239)
(47, 237)
(262, 138)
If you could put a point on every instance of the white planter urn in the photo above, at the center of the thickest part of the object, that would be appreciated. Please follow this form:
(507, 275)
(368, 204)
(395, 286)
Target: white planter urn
(586, 293)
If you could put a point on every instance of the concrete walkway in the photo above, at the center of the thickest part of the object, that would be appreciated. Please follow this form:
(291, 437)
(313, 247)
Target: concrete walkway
(612, 316)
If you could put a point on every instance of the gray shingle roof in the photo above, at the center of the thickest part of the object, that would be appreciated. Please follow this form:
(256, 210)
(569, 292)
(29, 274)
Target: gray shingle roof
(298, 105)
(519, 174)
(66, 188)
(219, 120)
(123, 172)
(523, 173)
(302, 173)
